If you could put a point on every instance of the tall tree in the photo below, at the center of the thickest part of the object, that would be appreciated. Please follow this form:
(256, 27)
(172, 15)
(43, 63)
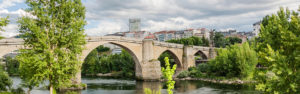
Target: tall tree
(3, 22)
(219, 40)
(54, 38)
(279, 51)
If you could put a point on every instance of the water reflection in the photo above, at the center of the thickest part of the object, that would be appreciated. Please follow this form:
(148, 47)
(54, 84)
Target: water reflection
(123, 86)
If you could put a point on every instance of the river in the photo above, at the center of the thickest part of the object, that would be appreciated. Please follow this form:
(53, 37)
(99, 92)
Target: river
(96, 85)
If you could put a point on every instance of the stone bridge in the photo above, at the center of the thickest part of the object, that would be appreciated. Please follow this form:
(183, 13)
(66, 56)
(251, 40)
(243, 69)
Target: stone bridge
(145, 53)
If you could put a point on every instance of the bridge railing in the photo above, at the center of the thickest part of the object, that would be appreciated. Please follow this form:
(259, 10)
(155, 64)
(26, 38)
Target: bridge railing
(201, 48)
(114, 38)
(19, 41)
(11, 41)
(166, 44)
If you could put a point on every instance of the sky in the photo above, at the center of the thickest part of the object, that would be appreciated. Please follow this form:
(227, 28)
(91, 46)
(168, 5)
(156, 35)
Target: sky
(110, 16)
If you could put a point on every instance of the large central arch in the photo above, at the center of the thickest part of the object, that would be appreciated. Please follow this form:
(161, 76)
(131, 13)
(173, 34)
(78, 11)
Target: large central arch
(134, 50)
(126, 46)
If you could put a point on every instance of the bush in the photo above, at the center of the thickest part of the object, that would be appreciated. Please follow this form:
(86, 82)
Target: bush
(18, 91)
(183, 74)
(234, 61)
(203, 67)
(12, 65)
(5, 81)
(195, 73)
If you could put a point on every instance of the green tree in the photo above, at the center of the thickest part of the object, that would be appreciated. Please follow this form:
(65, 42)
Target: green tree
(219, 40)
(101, 48)
(91, 63)
(5, 81)
(168, 73)
(191, 41)
(235, 61)
(3, 22)
(233, 40)
(279, 53)
(55, 38)
(12, 65)
(205, 42)
(162, 57)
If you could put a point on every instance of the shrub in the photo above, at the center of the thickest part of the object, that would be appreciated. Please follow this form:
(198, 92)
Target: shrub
(183, 74)
(5, 81)
(234, 61)
(195, 73)
(203, 67)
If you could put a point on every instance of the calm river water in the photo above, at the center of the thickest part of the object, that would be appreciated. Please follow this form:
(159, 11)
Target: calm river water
(96, 85)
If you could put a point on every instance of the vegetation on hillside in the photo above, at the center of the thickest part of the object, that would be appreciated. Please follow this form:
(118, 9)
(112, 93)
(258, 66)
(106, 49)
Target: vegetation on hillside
(221, 41)
(197, 41)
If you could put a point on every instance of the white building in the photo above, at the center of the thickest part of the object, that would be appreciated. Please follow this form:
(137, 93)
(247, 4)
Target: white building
(256, 28)
(134, 25)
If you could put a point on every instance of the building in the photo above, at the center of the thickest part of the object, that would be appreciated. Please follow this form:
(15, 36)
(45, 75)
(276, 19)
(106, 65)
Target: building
(168, 35)
(256, 28)
(205, 32)
(134, 25)
(151, 36)
(165, 35)
(188, 33)
(136, 34)
(228, 32)
(178, 34)
(243, 37)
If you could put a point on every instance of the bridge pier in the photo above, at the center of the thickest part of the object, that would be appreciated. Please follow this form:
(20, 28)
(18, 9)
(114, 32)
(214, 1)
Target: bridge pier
(150, 67)
(188, 57)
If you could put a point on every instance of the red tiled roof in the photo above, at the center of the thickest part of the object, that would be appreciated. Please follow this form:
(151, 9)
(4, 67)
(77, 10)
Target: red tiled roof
(150, 36)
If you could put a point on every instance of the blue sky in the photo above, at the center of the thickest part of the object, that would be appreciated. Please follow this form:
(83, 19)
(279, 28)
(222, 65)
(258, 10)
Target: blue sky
(109, 16)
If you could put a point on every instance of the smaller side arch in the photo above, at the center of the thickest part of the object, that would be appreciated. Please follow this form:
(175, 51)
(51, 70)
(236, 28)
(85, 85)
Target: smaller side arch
(176, 59)
(201, 53)
(200, 57)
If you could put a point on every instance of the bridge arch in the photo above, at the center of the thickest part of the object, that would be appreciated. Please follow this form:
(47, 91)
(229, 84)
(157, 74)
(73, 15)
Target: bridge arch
(202, 54)
(176, 58)
(129, 47)
(200, 57)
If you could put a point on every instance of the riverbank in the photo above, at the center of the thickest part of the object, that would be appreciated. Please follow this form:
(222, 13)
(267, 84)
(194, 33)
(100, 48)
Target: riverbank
(211, 80)
(220, 81)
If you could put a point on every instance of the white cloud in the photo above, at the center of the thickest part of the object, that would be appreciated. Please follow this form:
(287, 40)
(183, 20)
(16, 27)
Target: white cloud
(10, 30)
(9, 3)
(17, 13)
(105, 27)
